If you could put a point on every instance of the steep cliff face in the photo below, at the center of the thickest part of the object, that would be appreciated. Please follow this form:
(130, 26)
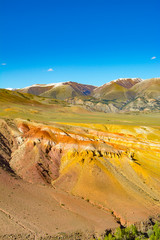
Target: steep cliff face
(114, 167)
(7, 144)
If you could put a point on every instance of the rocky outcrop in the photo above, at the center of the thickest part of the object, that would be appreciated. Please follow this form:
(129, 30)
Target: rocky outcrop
(142, 105)
(92, 106)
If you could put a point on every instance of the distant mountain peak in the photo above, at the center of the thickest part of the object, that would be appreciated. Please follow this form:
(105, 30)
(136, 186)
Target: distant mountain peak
(125, 82)
(12, 89)
(46, 85)
(60, 90)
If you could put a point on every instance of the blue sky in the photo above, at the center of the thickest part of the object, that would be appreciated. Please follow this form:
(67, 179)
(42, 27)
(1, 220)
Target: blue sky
(91, 41)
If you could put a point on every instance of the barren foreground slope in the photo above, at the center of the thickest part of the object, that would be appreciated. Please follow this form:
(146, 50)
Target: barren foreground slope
(76, 177)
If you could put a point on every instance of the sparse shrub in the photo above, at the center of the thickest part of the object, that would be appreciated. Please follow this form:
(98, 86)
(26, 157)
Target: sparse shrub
(109, 237)
(118, 233)
(141, 238)
(150, 232)
(131, 233)
(156, 232)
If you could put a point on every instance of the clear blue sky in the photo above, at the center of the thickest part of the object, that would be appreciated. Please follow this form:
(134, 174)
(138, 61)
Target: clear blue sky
(88, 41)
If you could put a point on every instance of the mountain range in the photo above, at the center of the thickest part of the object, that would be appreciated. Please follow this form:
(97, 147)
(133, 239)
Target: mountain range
(121, 95)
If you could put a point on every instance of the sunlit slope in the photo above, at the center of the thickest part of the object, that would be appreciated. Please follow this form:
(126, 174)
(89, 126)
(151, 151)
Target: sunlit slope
(115, 167)
(139, 97)
(17, 97)
(59, 91)
(111, 91)
(149, 89)
(27, 106)
(116, 90)
(146, 96)
(68, 90)
(123, 179)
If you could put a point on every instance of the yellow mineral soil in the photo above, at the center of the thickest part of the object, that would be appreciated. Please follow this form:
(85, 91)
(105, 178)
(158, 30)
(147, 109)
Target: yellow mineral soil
(116, 168)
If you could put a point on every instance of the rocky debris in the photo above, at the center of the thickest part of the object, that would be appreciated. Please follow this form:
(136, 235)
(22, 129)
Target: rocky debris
(70, 236)
(17, 237)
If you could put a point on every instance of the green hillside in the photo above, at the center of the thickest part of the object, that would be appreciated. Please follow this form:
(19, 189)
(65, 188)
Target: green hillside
(111, 91)
(149, 88)
(61, 92)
